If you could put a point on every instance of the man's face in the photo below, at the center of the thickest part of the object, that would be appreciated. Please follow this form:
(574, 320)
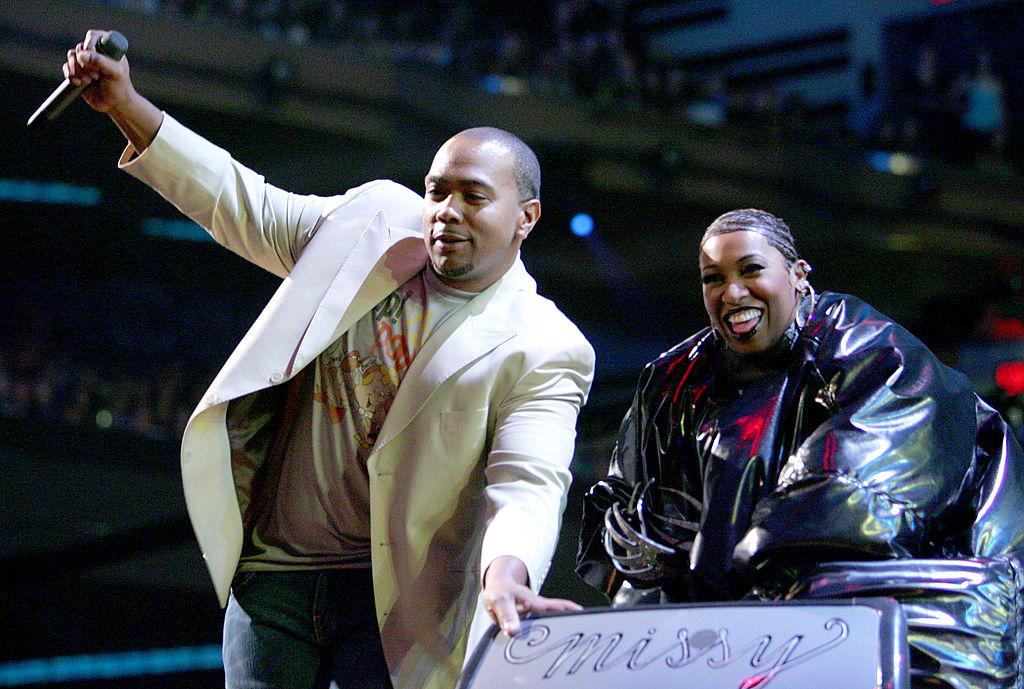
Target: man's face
(750, 294)
(473, 220)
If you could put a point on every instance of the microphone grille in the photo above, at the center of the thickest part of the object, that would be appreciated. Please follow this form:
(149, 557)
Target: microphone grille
(114, 45)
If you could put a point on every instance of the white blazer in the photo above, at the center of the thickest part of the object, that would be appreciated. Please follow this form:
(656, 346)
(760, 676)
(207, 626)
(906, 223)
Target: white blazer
(472, 460)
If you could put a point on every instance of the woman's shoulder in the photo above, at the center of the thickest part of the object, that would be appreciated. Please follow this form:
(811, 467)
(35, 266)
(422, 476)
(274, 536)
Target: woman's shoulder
(680, 362)
(848, 306)
(690, 347)
(838, 312)
(852, 333)
(835, 312)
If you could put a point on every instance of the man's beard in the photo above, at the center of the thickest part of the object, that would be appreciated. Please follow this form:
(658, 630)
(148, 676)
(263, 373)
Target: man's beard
(453, 271)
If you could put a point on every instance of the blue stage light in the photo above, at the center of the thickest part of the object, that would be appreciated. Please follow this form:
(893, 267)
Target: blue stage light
(154, 661)
(901, 164)
(581, 224)
(183, 229)
(60, 193)
(879, 160)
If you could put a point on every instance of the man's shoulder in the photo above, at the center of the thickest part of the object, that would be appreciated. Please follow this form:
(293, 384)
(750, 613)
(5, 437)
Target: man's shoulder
(543, 328)
(386, 191)
(400, 205)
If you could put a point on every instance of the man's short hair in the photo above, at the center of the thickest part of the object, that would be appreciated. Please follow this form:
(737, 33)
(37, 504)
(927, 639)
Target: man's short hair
(525, 164)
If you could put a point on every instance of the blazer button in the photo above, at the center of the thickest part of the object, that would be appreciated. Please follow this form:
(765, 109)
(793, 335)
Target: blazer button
(276, 377)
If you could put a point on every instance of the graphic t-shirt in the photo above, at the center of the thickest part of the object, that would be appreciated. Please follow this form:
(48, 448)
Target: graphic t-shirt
(307, 506)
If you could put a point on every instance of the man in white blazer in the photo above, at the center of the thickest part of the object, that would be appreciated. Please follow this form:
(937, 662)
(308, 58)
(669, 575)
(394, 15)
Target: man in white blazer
(427, 479)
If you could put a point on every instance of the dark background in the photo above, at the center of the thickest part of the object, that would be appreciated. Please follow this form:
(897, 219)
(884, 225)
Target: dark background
(111, 334)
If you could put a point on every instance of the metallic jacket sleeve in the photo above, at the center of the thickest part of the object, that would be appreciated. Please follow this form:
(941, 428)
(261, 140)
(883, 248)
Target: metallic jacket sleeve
(913, 488)
(652, 452)
(963, 615)
(893, 479)
(908, 464)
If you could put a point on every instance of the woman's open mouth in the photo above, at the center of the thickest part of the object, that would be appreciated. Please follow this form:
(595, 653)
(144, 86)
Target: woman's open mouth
(743, 322)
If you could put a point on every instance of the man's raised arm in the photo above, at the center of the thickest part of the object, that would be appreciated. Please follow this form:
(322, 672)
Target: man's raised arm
(110, 90)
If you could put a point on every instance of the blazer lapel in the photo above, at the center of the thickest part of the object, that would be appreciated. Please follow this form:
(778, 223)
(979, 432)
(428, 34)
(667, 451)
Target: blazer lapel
(362, 282)
(315, 301)
(476, 330)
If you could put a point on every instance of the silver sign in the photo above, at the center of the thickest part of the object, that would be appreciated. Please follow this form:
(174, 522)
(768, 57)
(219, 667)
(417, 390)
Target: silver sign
(858, 644)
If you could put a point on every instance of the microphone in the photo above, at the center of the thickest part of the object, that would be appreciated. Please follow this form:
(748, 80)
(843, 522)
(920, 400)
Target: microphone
(114, 45)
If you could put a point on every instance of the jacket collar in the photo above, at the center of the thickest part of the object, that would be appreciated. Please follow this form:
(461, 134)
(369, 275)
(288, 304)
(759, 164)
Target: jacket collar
(477, 329)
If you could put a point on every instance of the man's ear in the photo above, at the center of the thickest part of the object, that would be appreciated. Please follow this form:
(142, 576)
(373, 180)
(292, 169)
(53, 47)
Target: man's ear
(530, 214)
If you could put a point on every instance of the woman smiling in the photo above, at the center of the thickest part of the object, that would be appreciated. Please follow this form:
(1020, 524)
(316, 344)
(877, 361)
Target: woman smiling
(805, 445)
(752, 280)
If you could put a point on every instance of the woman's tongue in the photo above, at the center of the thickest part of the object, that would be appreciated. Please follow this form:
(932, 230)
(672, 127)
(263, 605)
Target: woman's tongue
(744, 322)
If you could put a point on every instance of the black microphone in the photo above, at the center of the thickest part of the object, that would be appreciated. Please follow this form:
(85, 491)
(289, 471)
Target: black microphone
(114, 45)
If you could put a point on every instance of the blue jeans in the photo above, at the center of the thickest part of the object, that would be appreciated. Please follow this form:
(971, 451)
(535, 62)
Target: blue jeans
(292, 630)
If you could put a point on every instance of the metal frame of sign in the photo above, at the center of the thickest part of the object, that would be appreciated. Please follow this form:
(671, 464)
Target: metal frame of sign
(860, 643)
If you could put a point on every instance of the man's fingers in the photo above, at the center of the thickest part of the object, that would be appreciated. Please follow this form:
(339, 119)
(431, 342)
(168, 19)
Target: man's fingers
(503, 610)
(88, 66)
(74, 69)
(507, 612)
(85, 63)
(73, 65)
(506, 595)
(541, 604)
(92, 37)
(80, 55)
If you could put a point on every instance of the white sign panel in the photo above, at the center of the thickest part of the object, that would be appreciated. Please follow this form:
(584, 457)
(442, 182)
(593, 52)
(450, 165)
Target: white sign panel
(858, 644)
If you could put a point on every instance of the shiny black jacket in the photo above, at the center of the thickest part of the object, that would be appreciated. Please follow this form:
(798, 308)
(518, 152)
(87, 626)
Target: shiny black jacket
(853, 464)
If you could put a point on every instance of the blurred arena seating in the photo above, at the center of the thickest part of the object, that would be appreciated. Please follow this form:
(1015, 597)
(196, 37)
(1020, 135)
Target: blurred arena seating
(113, 331)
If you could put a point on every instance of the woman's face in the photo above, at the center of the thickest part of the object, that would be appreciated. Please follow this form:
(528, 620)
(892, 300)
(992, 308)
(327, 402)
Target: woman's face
(750, 294)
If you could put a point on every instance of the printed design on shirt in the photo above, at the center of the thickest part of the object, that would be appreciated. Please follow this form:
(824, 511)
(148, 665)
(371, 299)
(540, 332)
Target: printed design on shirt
(371, 391)
(394, 346)
(359, 381)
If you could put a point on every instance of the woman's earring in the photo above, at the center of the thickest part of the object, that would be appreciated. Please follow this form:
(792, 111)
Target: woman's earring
(806, 293)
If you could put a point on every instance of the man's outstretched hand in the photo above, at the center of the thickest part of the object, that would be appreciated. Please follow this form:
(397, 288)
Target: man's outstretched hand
(507, 594)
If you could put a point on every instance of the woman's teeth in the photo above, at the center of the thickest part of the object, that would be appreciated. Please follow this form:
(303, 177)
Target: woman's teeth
(741, 322)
